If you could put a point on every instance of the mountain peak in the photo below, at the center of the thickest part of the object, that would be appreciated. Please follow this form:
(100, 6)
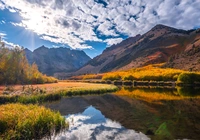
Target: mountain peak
(160, 26)
(27, 50)
(41, 49)
(155, 46)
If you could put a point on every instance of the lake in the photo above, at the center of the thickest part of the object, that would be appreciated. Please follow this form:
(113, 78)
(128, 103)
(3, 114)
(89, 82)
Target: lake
(131, 114)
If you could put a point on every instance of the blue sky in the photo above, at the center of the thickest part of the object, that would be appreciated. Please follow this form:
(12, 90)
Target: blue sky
(89, 25)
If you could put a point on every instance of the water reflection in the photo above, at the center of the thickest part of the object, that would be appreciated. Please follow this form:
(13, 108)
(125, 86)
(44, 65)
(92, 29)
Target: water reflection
(181, 91)
(158, 113)
(150, 94)
(188, 91)
(92, 124)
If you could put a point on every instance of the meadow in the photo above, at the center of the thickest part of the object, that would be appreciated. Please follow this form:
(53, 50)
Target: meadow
(18, 121)
(50, 92)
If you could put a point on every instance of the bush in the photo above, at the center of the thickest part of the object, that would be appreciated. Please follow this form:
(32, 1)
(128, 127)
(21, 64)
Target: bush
(111, 77)
(189, 77)
(129, 77)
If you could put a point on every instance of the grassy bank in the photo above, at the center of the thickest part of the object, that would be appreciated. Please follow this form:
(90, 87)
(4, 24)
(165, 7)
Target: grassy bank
(29, 122)
(52, 92)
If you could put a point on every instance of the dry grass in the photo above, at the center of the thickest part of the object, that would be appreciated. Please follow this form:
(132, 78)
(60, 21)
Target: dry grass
(29, 122)
(54, 87)
(51, 92)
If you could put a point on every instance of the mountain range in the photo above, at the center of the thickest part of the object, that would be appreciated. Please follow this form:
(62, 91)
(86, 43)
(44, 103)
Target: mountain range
(159, 45)
(176, 48)
(56, 60)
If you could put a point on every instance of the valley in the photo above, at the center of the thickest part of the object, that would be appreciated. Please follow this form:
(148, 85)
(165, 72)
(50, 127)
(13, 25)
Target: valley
(129, 81)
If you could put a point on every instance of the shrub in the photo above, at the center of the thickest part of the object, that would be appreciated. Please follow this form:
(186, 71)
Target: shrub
(129, 77)
(189, 77)
(111, 77)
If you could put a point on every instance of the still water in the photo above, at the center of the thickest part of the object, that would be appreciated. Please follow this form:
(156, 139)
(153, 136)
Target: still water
(114, 116)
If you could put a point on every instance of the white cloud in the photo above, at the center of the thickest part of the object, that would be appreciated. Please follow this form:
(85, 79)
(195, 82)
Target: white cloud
(2, 35)
(9, 44)
(12, 10)
(113, 41)
(2, 6)
(73, 22)
(106, 29)
(3, 22)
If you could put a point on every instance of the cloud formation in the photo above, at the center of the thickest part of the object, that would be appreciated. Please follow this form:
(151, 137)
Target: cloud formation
(2, 35)
(113, 41)
(74, 22)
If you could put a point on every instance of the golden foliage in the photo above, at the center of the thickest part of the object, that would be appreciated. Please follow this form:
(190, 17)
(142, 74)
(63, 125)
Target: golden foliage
(87, 76)
(14, 68)
(147, 73)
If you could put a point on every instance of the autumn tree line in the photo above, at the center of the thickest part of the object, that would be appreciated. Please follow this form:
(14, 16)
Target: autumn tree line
(15, 69)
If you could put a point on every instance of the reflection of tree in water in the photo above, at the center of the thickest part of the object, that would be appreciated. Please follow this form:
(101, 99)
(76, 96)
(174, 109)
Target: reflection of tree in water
(179, 91)
(188, 91)
(160, 90)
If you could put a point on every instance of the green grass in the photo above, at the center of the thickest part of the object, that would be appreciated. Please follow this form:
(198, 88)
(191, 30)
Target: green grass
(19, 121)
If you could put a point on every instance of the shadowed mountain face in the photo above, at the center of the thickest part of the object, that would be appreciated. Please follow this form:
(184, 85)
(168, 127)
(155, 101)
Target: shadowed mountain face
(56, 60)
(155, 46)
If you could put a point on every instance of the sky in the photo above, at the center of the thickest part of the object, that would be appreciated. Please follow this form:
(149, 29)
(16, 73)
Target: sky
(89, 25)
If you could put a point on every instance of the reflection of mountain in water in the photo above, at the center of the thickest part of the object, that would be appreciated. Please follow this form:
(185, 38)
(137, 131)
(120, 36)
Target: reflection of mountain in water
(92, 124)
(174, 119)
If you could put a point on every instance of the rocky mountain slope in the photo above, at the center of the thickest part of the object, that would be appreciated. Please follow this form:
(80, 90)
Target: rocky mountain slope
(56, 60)
(155, 46)
(189, 59)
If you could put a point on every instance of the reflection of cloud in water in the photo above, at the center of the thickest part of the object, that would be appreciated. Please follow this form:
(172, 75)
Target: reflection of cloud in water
(92, 124)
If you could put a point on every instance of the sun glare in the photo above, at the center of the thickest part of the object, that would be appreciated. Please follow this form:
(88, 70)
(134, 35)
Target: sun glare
(35, 22)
